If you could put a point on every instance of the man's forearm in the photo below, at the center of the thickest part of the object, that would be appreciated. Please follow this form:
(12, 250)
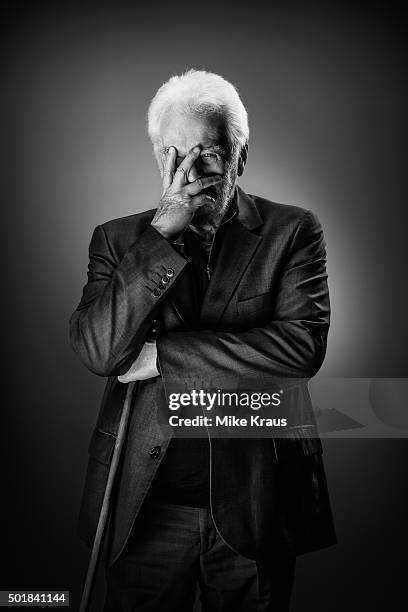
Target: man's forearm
(280, 349)
(120, 300)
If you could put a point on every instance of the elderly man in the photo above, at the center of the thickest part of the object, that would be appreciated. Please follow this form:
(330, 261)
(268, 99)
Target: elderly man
(236, 288)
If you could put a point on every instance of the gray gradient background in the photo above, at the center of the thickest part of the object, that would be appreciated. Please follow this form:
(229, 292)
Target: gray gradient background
(325, 89)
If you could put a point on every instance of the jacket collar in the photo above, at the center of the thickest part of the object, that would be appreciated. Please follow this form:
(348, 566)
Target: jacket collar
(248, 213)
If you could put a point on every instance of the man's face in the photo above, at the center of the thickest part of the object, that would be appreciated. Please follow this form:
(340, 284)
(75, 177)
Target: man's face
(185, 131)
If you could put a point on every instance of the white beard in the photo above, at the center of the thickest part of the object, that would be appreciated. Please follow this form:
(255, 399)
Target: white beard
(208, 218)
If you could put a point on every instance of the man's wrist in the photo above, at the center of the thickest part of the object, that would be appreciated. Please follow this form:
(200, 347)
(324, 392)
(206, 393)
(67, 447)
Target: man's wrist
(171, 237)
(162, 231)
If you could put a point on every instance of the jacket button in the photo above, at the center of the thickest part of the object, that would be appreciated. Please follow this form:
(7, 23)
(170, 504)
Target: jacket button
(165, 279)
(170, 272)
(155, 452)
(156, 293)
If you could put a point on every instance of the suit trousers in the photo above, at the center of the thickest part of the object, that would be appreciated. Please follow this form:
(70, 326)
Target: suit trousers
(173, 550)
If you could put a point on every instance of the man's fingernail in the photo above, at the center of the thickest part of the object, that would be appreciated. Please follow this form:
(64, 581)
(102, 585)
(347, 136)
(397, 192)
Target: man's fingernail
(196, 150)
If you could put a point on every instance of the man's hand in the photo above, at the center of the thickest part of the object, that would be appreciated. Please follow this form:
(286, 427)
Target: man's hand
(180, 198)
(144, 366)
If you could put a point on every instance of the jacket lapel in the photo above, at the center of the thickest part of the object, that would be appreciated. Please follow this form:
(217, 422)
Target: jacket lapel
(237, 250)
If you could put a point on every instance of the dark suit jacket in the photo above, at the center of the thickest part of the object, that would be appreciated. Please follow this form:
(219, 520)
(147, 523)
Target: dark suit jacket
(265, 314)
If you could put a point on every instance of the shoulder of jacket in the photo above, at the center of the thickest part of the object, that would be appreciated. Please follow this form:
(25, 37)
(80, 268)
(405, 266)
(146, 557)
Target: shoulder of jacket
(269, 209)
(136, 222)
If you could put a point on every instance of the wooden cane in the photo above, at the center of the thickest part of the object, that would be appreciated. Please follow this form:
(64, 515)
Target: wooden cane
(103, 516)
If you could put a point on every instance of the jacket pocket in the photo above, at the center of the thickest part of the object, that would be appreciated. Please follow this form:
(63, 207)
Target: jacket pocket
(297, 444)
(257, 305)
(101, 446)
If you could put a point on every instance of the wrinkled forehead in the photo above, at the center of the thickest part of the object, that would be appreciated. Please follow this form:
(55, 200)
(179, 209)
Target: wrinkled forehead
(185, 130)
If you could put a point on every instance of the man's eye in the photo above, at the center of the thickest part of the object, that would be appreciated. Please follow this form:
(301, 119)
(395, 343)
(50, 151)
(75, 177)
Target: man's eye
(209, 156)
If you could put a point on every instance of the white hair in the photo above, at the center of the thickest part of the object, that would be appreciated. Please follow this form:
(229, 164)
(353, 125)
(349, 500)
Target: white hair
(200, 92)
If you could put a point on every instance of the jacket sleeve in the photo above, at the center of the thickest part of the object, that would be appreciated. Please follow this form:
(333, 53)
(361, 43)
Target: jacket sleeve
(291, 344)
(119, 301)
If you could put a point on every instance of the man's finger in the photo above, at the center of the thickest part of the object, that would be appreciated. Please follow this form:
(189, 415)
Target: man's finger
(169, 168)
(181, 174)
(201, 199)
(201, 183)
